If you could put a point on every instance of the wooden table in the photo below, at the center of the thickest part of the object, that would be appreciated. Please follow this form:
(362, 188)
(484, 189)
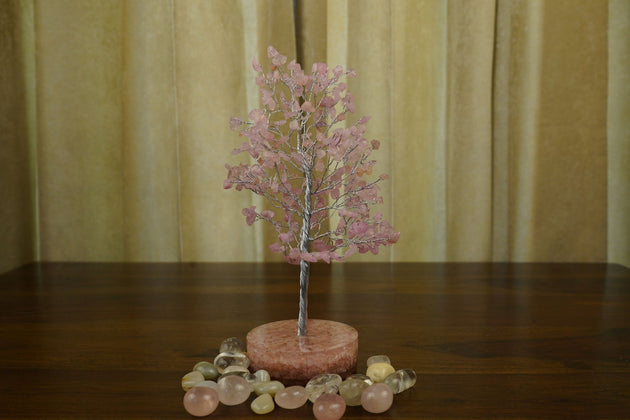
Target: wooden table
(487, 340)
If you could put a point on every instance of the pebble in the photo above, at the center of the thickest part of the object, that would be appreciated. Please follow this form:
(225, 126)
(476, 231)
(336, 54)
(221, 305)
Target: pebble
(228, 358)
(269, 387)
(292, 397)
(329, 407)
(401, 380)
(351, 389)
(330, 395)
(233, 390)
(208, 370)
(377, 398)
(250, 378)
(190, 379)
(262, 375)
(379, 371)
(323, 383)
(362, 377)
(201, 401)
(379, 358)
(263, 404)
(233, 345)
(209, 384)
(235, 368)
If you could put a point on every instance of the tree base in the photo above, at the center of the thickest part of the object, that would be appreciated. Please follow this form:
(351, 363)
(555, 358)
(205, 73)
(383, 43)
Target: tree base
(328, 347)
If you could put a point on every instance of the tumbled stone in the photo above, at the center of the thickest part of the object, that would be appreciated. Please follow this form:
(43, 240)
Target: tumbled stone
(379, 358)
(233, 345)
(269, 387)
(208, 370)
(245, 375)
(233, 390)
(379, 371)
(209, 384)
(262, 375)
(362, 377)
(251, 378)
(401, 380)
(190, 379)
(201, 401)
(227, 358)
(235, 368)
(329, 407)
(263, 404)
(351, 390)
(323, 383)
(377, 398)
(291, 397)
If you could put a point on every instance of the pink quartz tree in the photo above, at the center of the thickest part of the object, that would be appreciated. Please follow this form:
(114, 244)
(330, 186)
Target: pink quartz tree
(312, 171)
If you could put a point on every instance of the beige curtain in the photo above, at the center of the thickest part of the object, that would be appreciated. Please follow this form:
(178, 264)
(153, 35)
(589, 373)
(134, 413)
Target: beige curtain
(504, 124)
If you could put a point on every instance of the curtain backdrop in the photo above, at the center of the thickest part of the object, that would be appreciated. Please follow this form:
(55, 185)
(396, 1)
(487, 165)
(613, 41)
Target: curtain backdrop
(504, 124)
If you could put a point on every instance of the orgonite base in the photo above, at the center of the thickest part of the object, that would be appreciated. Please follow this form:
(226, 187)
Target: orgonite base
(328, 347)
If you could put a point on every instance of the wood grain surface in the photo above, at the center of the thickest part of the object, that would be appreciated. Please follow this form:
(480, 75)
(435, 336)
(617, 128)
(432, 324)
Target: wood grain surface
(80, 340)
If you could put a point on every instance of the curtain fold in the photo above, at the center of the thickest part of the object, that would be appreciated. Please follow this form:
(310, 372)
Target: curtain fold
(150, 135)
(18, 154)
(503, 124)
(469, 70)
(79, 136)
(618, 127)
(550, 133)
(419, 134)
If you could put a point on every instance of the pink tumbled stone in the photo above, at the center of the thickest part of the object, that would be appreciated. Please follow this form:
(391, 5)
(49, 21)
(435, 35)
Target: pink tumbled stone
(377, 398)
(291, 397)
(329, 407)
(329, 347)
(201, 401)
(233, 390)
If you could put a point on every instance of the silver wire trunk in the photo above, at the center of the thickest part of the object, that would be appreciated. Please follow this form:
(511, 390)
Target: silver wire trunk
(304, 247)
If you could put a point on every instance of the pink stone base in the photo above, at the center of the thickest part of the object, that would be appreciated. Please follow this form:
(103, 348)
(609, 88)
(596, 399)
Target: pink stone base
(328, 347)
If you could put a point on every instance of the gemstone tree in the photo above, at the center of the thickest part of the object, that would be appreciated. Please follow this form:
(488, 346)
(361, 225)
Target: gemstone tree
(310, 169)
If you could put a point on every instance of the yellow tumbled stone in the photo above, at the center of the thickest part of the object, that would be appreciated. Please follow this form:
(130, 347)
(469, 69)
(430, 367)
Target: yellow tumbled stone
(270, 387)
(263, 404)
(379, 371)
(191, 379)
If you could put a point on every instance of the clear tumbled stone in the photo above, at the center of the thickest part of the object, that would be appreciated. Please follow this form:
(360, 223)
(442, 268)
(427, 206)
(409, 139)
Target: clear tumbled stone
(377, 398)
(233, 345)
(235, 368)
(263, 404)
(269, 387)
(401, 380)
(262, 375)
(379, 371)
(292, 397)
(190, 379)
(329, 407)
(362, 377)
(351, 390)
(227, 358)
(251, 378)
(323, 383)
(208, 370)
(379, 358)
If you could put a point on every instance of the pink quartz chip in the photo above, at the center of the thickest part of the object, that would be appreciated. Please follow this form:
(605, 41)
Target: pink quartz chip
(328, 347)
(329, 407)
(201, 401)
